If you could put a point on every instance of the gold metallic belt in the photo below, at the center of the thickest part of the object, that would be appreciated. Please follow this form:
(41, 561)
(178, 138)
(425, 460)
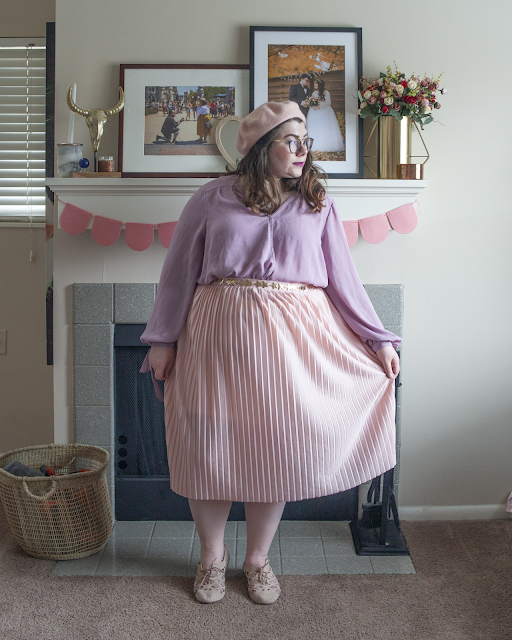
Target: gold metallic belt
(247, 282)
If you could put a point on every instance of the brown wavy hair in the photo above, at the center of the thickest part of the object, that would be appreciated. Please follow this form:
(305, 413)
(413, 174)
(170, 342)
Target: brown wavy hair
(321, 88)
(260, 189)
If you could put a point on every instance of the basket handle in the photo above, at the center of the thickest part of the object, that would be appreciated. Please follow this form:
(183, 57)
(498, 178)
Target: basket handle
(47, 495)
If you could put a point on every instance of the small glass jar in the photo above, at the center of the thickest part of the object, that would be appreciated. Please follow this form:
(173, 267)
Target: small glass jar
(69, 155)
(106, 163)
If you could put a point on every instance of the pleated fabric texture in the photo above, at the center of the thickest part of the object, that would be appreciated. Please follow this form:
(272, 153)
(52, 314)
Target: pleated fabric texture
(273, 398)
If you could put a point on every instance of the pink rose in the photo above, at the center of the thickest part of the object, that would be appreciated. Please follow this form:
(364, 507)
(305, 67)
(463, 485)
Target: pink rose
(425, 103)
(383, 94)
(372, 100)
(396, 106)
(424, 83)
(437, 105)
(432, 86)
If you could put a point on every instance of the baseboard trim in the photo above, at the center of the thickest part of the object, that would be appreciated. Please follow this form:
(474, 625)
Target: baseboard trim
(455, 512)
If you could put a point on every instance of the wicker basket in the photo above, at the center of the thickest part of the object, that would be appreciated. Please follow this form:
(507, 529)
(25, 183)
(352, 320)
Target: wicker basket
(61, 517)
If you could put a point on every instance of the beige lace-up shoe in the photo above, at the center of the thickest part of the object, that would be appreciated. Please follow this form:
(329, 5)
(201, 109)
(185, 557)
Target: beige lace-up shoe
(262, 583)
(210, 583)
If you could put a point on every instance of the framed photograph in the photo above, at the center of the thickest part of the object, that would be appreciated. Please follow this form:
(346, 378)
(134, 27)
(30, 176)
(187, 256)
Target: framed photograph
(167, 127)
(319, 68)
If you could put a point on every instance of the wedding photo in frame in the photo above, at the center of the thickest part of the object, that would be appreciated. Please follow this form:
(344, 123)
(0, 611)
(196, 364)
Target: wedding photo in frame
(319, 68)
(168, 124)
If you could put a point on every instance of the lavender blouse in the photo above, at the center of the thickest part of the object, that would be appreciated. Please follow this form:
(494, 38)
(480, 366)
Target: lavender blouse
(217, 236)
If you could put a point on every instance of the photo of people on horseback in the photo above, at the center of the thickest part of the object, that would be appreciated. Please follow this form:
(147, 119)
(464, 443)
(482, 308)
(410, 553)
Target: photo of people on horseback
(181, 120)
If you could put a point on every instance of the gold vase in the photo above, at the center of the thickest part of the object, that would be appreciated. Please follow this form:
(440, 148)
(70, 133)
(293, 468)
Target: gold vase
(394, 146)
(391, 149)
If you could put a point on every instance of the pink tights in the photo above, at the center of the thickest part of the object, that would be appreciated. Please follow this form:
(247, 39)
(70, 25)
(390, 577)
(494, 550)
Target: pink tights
(210, 517)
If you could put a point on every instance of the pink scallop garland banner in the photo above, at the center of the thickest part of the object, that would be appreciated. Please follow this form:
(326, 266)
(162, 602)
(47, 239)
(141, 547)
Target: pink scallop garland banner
(139, 236)
(403, 219)
(375, 229)
(351, 231)
(105, 231)
(165, 231)
(74, 220)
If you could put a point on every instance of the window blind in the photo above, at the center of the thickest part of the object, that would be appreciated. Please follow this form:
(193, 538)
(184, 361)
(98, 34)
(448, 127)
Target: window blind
(22, 129)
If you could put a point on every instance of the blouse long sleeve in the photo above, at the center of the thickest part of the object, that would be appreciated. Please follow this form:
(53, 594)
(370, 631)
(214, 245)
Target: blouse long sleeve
(345, 289)
(180, 272)
(326, 102)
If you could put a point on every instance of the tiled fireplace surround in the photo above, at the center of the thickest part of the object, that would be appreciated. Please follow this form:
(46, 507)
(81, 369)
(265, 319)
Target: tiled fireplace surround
(97, 308)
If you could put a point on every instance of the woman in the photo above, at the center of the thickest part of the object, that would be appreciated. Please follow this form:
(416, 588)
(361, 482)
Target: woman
(279, 374)
(321, 121)
(203, 116)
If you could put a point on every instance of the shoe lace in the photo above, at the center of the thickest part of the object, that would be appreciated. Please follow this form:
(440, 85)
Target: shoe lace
(211, 575)
(263, 577)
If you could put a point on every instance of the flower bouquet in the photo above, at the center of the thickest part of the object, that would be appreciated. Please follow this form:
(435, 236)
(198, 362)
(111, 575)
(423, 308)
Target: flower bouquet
(392, 94)
(311, 102)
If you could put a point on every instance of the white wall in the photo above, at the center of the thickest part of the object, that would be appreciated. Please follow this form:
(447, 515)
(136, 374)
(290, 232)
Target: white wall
(457, 436)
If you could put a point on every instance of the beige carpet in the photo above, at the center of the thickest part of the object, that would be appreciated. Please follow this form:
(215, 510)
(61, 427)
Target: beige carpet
(462, 591)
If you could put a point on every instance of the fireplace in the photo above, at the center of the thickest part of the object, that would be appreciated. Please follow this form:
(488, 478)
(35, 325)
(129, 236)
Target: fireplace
(102, 313)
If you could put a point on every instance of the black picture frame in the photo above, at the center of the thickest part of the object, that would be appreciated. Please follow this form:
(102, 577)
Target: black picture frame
(346, 51)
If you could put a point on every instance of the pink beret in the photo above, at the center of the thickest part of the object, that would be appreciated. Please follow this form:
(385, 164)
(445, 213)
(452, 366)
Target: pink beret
(262, 120)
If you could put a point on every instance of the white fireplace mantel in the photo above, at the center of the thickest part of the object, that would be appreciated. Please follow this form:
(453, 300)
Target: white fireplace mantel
(156, 200)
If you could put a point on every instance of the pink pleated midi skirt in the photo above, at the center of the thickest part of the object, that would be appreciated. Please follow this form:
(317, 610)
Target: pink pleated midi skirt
(273, 398)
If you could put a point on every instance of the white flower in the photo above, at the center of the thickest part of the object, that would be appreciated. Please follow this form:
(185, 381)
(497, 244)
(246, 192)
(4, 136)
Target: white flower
(381, 82)
(427, 109)
(367, 95)
(399, 89)
(376, 93)
(412, 85)
(388, 100)
(364, 104)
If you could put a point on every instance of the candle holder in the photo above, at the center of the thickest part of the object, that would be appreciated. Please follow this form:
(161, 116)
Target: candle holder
(69, 155)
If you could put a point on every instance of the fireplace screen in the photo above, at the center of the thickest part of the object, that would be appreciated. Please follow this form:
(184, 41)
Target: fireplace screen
(139, 418)
(142, 474)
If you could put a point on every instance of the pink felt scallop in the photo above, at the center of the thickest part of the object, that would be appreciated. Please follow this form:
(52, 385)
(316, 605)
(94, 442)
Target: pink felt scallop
(105, 231)
(403, 219)
(139, 236)
(74, 220)
(351, 231)
(165, 231)
(375, 229)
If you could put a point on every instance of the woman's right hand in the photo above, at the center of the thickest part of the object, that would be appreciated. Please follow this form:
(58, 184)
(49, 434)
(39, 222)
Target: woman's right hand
(162, 360)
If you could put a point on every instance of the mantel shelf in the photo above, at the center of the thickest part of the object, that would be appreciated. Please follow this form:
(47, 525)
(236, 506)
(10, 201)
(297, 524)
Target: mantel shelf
(126, 199)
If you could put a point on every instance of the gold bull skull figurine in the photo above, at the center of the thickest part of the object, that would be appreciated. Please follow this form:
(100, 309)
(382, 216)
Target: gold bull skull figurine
(96, 118)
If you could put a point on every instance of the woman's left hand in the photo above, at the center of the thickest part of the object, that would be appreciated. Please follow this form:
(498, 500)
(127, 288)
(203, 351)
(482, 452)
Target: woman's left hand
(390, 362)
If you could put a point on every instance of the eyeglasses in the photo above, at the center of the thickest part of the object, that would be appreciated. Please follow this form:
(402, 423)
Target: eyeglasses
(295, 144)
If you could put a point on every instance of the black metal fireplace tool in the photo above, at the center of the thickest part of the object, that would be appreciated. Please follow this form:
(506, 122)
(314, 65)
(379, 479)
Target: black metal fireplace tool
(375, 534)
